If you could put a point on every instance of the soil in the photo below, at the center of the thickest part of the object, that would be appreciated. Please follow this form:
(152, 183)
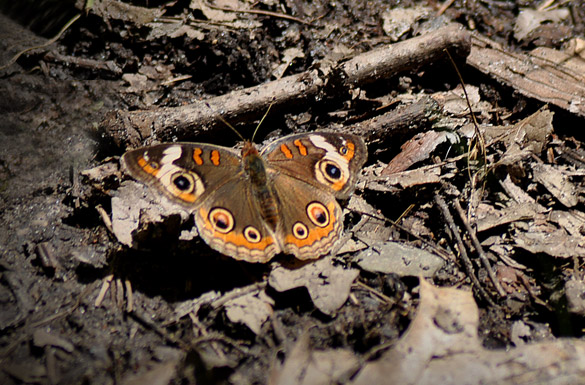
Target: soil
(57, 252)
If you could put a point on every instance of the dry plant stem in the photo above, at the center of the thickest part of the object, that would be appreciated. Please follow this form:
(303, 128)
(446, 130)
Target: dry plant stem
(260, 12)
(238, 293)
(480, 252)
(400, 122)
(45, 44)
(464, 257)
(133, 128)
(89, 64)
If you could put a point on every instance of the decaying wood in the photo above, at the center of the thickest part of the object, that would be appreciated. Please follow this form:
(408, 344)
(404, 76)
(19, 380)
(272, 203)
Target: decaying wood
(133, 128)
(548, 79)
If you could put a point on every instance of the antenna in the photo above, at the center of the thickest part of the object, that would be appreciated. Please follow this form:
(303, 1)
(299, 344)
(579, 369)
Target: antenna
(226, 123)
(262, 120)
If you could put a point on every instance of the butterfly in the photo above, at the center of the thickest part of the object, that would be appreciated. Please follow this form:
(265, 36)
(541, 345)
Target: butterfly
(253, 204)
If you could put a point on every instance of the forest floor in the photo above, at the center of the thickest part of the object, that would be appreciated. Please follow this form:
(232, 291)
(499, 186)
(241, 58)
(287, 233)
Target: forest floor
(463, 254)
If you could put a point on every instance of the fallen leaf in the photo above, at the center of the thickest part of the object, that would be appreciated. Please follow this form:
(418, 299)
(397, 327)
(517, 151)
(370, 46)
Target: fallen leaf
(135, 206)
(252, 309)
(572, 221)
(158, 374)
(441, 346)
(404, 179)
(527, 137)
(575, 293)
(557, 183)
(399, 20)
(547, 238)
(392, 257)
(328, 285)
(489, 217)
(306, 366)
(529, 19)
(416, 150)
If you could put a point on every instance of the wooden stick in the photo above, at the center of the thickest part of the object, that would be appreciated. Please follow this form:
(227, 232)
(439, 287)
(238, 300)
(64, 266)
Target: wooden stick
(134, 128)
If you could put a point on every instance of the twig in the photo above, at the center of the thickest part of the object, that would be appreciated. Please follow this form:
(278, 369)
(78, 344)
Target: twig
(104, 289)
(444, 7)
(47, 43)
(479, 248)
(260, 12)
(464, 257)
(375, 292)
(134, 128)
(129, 296)
(237, 293)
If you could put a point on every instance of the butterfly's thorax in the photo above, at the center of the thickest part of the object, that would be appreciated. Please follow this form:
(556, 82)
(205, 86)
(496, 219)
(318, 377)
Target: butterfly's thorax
(255, 169)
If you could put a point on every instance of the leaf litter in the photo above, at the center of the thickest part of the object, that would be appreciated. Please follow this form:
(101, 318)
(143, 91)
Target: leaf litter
(377, 319)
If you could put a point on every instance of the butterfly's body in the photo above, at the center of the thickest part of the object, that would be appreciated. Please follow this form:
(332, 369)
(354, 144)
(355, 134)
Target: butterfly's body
(252, 205)
(255, 170)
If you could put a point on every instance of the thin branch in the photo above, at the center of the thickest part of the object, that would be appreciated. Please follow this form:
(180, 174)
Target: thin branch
(464, 257)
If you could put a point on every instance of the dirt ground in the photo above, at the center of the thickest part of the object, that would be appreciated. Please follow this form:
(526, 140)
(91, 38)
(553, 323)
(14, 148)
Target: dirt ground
(477, 224)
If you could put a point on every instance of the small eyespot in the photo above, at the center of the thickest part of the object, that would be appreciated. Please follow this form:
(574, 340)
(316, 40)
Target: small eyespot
(221, 220)
(183, 182)
(252, 235)
(343, 150)
(153, 165)
(318, 214)
(300, 231)
(331, 171)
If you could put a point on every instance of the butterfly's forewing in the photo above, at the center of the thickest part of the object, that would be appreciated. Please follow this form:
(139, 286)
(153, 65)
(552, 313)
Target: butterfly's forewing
(187, 173)
(329, 161)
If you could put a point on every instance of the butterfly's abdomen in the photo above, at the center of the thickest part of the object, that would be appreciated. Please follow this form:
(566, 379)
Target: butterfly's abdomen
(254, 167)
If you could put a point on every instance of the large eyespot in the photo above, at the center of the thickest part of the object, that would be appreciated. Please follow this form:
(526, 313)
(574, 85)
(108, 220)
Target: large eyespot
(221, 220)
(318, 214)
(331, 171)
(252, 234)
(183, 181)
(300, 231)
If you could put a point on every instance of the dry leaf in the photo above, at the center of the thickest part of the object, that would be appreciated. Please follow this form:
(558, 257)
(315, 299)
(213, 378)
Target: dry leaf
(488, 217)
(134, 206)
(416, 150)
(158, 374)
(252, 309)
(575, 293)
(528, 20)
(572, 221)
(117, 10)
(304, 366)
(557, 183)
(547, 238)
(328, 285)
(405, 179)
(392, 257)
(529, 136)
(441, 346)
(398, 21)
